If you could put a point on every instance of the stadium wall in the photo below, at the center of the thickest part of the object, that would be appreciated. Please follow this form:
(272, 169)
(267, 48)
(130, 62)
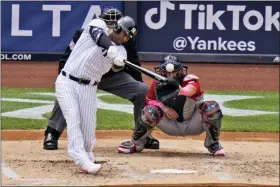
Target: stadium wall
(196, 31)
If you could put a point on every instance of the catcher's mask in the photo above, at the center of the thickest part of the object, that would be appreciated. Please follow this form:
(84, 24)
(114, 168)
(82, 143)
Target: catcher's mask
(173, 62)
(111, 15)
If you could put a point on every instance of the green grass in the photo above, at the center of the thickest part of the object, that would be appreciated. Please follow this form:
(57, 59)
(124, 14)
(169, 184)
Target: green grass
(23, 93)
(110, 120)
(265, 104)
(115, 120)
(258, 123)
(269, 102)
(17, 123)
(123, 121)
(249, 93)
(7, 106)
(114, 99)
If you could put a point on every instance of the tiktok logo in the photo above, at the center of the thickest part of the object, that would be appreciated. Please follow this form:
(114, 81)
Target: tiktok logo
(164, 5)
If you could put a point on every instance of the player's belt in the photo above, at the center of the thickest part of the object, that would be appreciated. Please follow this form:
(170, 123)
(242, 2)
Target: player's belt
(78, 80)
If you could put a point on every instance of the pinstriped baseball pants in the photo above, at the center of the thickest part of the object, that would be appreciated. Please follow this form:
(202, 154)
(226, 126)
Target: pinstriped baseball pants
(78, 105)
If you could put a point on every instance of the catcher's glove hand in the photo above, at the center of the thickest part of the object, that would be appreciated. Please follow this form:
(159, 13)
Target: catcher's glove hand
(167, 91)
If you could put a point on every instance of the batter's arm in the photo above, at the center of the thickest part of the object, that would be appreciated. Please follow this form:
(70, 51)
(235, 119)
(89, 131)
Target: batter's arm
(98, 31)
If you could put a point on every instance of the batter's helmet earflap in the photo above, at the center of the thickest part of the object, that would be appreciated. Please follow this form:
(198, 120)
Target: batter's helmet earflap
(117, 29)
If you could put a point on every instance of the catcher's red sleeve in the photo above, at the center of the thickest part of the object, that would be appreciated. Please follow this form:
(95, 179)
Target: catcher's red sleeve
(198, 89)
(151, 93)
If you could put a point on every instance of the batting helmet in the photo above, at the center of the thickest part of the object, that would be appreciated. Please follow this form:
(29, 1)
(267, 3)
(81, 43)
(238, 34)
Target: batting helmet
(173, 61)
(128, 25)
(111, 15)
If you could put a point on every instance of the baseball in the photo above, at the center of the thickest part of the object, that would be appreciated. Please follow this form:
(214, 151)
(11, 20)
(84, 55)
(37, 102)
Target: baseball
(169, 68)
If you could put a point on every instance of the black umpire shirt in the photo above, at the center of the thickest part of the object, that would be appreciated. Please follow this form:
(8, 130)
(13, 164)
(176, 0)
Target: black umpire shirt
(130, 47)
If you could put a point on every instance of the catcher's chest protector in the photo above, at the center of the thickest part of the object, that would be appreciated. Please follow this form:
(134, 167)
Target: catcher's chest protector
(186, 106)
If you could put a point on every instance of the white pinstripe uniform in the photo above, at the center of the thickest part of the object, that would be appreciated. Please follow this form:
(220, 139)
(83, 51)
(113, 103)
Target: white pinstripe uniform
(78, 101)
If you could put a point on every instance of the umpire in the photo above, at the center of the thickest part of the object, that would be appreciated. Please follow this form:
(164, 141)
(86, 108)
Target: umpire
(127, 84)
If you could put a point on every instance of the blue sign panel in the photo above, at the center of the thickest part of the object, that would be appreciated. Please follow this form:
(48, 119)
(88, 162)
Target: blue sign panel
(240, 27)
(46, 26)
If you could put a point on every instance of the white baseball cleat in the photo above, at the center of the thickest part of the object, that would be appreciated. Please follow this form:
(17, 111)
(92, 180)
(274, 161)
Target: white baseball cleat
(91, 168)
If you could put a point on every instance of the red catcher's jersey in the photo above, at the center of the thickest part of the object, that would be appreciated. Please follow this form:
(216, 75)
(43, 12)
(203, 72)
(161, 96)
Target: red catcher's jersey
(189, 79)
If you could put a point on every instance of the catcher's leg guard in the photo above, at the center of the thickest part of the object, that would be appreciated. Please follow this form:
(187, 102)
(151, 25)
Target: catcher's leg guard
(150, 116)
(212, 120)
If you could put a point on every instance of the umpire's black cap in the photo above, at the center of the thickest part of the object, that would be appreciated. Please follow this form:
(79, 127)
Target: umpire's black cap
(111, 15)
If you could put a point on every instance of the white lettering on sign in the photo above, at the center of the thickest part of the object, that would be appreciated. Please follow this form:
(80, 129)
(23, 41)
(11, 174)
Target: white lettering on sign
(16, 56)
(56, 9)
(180, 43)
(208, 17)
(94, 12)
(15, 31)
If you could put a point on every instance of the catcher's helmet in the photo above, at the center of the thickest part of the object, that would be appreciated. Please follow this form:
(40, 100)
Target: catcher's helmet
(171, 59)
(111, 15)
(128, 25)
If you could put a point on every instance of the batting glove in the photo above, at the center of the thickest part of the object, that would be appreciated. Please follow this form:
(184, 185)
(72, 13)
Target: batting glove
(119, 61)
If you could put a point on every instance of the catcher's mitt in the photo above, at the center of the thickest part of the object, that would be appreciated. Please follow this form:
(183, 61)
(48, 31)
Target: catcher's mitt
(166, 92)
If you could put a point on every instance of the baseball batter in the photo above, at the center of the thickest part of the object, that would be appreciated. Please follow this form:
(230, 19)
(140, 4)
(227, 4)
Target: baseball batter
(97, 50)
(178, 109)
(126, 83)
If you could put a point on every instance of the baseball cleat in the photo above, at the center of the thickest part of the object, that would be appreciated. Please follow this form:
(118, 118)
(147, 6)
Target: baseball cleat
(50, 142)
(151, 143)
(216, 149)
(127, 147)
(91, 168)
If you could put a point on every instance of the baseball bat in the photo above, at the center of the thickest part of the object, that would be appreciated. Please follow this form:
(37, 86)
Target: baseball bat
(147, 72)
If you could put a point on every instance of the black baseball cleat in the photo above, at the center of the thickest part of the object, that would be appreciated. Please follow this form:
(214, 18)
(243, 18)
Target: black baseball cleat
(50, 141)
(151, 143)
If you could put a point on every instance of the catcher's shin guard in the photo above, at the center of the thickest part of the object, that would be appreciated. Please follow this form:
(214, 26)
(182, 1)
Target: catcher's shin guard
(212, 120)
(150, 116)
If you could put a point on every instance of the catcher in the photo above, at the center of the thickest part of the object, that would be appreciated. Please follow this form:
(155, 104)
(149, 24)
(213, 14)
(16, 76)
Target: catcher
(178, 109)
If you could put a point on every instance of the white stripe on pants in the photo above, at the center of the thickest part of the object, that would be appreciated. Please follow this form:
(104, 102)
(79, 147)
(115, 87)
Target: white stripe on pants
(78, 105)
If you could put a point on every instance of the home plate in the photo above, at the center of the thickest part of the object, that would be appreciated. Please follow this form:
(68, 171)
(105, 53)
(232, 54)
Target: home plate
(176, 171)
